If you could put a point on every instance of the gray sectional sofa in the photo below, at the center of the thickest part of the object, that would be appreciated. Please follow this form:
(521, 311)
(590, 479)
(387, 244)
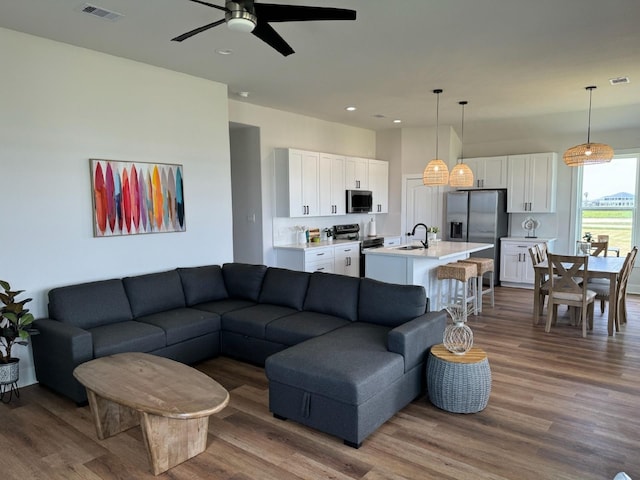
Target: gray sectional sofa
(342, 354)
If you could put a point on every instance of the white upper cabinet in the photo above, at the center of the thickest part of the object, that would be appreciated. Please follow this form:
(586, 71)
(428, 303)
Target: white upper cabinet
(356, 171)
(331, 185)
(379, 185)
(532, 183)
(488, 172)
(297, 175)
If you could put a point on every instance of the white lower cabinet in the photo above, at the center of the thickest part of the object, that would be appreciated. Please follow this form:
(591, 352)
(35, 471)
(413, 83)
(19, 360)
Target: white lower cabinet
(343, 258)
(516, 266)
(347, 260)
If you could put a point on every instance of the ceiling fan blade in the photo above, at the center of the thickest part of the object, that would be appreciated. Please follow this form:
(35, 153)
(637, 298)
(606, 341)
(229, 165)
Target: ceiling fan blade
(269, 12)
(191, 33)
(267, 34)
(209, 5)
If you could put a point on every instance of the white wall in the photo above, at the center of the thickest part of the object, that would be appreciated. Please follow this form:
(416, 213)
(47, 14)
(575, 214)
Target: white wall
(283, 129)
(62, 105)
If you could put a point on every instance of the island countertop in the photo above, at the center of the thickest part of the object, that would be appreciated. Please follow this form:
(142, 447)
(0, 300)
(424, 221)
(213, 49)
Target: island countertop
(437, 251)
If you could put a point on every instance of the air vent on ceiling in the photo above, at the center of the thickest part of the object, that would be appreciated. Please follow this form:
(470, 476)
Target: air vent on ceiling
(618, 80)
(100, 12)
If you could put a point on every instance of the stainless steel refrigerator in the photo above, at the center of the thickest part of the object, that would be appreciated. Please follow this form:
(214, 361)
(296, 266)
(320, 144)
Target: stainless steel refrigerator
(478, 216)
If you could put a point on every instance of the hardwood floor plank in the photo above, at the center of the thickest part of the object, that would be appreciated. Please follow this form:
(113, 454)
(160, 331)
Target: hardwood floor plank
(561, 407)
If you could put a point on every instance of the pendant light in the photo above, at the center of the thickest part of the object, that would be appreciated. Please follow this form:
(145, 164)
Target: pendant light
(588, 153)
(461, 175)
(436, 173)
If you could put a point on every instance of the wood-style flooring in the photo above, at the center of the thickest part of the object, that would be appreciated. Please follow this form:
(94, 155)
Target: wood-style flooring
(561, 407)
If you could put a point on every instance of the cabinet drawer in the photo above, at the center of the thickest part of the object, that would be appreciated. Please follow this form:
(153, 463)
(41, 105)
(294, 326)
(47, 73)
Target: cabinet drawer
(317, 254)
(325, 266)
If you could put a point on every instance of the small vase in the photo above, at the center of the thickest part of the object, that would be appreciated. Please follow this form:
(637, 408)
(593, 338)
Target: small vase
(432, 237)
(457, 338)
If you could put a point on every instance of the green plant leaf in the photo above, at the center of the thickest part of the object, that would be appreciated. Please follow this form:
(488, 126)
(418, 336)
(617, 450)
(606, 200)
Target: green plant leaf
(5, 285)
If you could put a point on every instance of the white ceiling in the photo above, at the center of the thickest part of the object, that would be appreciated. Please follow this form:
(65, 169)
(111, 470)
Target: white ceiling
(521, 64)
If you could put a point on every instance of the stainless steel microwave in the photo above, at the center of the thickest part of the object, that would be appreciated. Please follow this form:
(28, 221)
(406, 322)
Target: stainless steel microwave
(359, 201)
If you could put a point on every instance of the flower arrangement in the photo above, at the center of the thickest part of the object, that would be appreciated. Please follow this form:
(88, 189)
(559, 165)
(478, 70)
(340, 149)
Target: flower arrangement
(587, 237)
(433, 229)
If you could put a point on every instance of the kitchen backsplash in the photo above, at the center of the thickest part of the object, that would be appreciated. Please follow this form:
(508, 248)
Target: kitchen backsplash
(285, 229)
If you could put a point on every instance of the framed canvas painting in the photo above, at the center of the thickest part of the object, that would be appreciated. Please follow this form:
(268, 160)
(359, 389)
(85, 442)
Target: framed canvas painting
(131, 198)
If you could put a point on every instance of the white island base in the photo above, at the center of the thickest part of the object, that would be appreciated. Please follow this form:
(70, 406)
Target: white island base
(417, 267)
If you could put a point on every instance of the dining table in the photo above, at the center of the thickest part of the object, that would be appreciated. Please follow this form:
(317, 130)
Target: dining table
(599, 267)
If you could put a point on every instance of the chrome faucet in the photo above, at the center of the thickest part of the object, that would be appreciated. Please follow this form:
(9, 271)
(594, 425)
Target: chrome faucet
(425, 244)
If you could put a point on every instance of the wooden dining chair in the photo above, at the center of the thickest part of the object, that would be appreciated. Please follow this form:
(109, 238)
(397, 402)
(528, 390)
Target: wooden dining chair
(564, 290)
(602, 288)
(605, 238)
(599, 247)
(543, 251)
(534, 253)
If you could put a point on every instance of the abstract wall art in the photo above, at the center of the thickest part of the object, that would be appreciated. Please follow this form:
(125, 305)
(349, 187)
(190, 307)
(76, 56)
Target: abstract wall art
(131, 198)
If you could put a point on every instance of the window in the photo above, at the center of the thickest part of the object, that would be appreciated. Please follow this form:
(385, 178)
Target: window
(608, 207)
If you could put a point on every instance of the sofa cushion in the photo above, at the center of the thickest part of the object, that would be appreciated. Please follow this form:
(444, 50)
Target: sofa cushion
(223, 306)
(389, 304)
(296, 328)
(333, 294)
(126, 337)
(182, 324)
(243, 280)
(252, 321)
(202, 284)
(284, 287)
(349, 364)
(89, 305)
(153, 293)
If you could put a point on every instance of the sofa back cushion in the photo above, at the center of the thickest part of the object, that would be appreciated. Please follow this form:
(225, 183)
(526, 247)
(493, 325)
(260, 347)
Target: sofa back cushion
(202, 284)
(243, 280)
(153, 293)
(89, 305)
(334, 295)
(284, 287)
(389, 304)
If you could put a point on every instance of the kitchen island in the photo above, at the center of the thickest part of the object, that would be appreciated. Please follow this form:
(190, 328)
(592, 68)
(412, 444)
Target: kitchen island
(407, 265)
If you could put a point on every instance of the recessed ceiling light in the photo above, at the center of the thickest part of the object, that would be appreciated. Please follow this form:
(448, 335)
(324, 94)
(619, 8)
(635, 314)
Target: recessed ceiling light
(378, 115)
(243, 94)
(224, 51)
(350, 109)
(397, 121)
(619, 80)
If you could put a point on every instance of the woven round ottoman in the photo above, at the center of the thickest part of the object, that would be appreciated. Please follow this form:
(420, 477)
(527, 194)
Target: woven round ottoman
(458, 383)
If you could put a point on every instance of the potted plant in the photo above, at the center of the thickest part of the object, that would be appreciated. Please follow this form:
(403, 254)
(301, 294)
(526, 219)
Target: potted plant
(15, 327)
(432, 234)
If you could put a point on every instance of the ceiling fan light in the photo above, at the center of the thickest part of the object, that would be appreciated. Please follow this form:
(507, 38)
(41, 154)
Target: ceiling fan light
(244, 25)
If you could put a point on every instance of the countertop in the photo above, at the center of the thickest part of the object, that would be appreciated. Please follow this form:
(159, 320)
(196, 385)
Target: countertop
(312, 245)
(436, 251)
(528, 239)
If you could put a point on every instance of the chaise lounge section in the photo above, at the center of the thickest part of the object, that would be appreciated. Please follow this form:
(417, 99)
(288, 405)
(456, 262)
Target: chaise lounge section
(342, 354)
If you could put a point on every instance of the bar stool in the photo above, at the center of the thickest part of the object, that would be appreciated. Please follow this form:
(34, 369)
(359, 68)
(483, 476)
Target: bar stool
(485, 265)
(465, 275)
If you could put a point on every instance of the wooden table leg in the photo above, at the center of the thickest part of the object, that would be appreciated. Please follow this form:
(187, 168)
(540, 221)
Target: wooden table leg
(613, 295)
(536, 296)
(171, 441)
(110, 417)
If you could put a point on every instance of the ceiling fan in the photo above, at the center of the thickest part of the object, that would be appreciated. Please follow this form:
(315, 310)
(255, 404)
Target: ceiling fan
(249, 16)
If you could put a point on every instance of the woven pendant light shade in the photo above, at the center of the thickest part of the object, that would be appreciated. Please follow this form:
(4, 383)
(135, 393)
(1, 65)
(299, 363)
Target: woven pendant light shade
(436, 173)
(461, 176)
(577, 156)
(588, 153)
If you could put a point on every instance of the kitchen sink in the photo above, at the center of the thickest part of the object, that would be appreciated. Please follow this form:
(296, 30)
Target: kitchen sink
(410, 247)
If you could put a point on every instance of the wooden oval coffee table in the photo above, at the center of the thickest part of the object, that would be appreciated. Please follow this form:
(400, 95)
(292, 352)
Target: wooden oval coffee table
(169, 400)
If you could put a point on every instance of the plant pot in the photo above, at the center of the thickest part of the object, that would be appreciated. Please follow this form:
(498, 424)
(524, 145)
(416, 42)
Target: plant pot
(9, 372)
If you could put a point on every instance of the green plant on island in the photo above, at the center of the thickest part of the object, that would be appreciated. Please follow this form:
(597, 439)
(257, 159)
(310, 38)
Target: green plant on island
(433, 229)
(15, 321)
